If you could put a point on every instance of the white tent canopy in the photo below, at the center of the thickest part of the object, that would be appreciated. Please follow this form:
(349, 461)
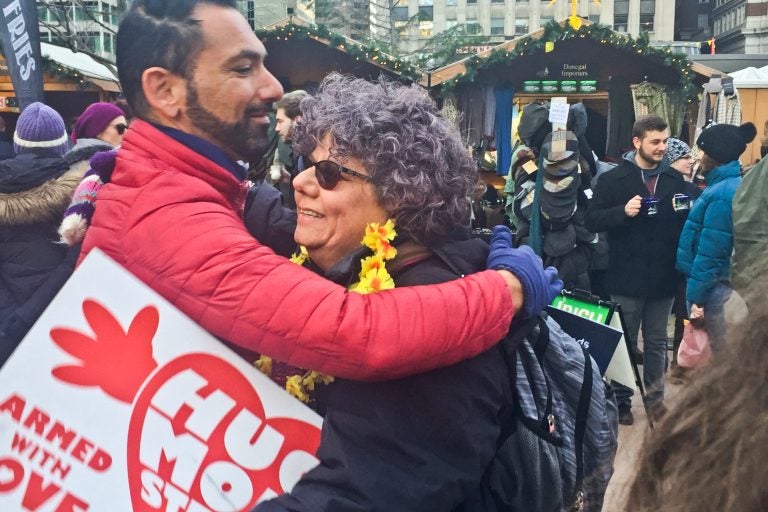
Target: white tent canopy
(751, 78)
(86, 65)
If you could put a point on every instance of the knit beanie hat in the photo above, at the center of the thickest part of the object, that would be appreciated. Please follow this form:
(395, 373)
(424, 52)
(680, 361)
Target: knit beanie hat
(95, 120)
(724, 142)
(677, 149)
(40, 127)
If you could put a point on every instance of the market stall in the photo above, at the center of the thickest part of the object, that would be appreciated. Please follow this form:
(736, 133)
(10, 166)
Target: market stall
(752, 84)
(72, 81)
(301, 54)
(615, 76)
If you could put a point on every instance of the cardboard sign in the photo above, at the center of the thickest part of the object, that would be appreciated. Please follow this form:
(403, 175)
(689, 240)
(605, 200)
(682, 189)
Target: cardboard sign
(599, 339)
(530, 167)
(117, 401)
(558, 113)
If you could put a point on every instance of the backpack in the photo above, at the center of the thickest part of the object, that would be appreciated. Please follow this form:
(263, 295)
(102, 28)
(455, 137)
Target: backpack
(556, 450)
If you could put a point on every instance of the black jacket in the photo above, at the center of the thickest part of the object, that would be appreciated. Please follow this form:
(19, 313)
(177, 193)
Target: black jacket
(35, 188)
(418, 444)
(641, 249)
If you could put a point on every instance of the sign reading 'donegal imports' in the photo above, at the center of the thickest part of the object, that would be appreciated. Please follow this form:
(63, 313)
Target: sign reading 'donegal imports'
(115, 401)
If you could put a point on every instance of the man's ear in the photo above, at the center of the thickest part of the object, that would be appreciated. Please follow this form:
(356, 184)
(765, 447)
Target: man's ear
(165, 92)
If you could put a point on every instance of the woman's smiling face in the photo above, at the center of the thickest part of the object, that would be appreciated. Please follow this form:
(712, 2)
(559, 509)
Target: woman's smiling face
(331, 223)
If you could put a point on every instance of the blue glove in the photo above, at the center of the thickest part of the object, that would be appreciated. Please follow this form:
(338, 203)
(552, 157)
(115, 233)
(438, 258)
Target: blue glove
(540, 285)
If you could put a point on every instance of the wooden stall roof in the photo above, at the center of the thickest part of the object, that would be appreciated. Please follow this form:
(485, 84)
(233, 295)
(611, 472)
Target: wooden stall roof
(298, 52)
(448, 72)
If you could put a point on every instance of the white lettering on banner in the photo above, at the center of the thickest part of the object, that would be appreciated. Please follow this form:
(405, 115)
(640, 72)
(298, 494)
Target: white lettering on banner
(197, 429)
(19, 38)
(179, 399)
(575, 71)
(183, 390)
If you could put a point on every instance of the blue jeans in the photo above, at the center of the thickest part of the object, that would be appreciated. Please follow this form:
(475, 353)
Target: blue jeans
(652, 315)
(714, 315)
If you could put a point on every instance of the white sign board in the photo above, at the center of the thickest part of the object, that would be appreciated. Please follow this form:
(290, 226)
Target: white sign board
(620, 367)
(558, 112)
(116, 401)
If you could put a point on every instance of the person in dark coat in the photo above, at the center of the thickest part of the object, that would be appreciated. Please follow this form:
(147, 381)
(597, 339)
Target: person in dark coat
(423, 442)
(633, 203)
(35, 188)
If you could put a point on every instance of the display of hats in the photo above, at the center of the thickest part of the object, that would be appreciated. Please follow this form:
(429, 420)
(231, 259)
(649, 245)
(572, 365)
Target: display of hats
(558, 200)
(560, 161)
(559, 242)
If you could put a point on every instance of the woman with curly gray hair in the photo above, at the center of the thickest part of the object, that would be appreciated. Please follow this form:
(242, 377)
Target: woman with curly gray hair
(381, 153)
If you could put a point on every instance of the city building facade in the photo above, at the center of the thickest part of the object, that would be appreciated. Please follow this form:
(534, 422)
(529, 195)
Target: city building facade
(740, 26)
(262, 13)
(418, 20)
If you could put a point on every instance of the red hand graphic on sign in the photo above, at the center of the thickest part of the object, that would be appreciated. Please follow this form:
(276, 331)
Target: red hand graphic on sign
(110, 347)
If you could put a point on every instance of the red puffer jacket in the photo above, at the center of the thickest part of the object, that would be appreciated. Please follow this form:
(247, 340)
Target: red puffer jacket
(173, 219)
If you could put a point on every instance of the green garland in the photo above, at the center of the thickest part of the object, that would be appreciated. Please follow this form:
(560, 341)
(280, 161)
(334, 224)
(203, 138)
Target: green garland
(56, 70)
(554, 32)
(354, 48)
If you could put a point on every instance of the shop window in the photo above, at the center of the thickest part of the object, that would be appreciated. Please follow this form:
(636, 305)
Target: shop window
(426, 29)
(92, 40)
(646, 22)
(497, 26)
(400, 13)
(620, 22)
(108, 43)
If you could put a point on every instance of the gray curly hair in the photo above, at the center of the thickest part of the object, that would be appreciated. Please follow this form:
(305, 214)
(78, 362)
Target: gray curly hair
(420, 169)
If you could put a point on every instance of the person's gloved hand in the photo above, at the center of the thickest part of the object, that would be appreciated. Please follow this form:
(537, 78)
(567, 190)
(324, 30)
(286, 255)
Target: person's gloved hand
(540, 285)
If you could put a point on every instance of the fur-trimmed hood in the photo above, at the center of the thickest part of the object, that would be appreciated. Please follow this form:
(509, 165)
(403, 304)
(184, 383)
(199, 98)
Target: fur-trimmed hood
(42, 202)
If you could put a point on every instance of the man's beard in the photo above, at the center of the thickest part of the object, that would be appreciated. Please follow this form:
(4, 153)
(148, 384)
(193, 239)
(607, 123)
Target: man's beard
(242, 138)
(647, 158)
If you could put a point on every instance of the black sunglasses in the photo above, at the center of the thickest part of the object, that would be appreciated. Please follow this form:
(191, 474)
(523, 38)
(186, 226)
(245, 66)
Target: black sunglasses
(328, 173)
(121, 128)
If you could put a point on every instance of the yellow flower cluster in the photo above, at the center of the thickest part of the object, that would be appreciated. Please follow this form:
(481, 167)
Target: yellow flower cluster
(373, 278)
(300, 257)
(373, 273)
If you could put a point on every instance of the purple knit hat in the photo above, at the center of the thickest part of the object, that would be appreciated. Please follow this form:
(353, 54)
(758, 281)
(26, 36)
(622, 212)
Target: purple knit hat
(40, 127)
(95, 120)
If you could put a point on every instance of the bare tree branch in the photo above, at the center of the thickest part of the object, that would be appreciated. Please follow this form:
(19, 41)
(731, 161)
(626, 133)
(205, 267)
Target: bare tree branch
(60, 22)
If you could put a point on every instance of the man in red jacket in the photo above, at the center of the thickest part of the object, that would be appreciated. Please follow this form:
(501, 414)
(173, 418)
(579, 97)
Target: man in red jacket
(193, 72)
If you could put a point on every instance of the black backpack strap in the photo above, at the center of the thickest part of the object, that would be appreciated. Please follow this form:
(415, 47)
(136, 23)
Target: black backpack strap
(509, 345)
(582, 411)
